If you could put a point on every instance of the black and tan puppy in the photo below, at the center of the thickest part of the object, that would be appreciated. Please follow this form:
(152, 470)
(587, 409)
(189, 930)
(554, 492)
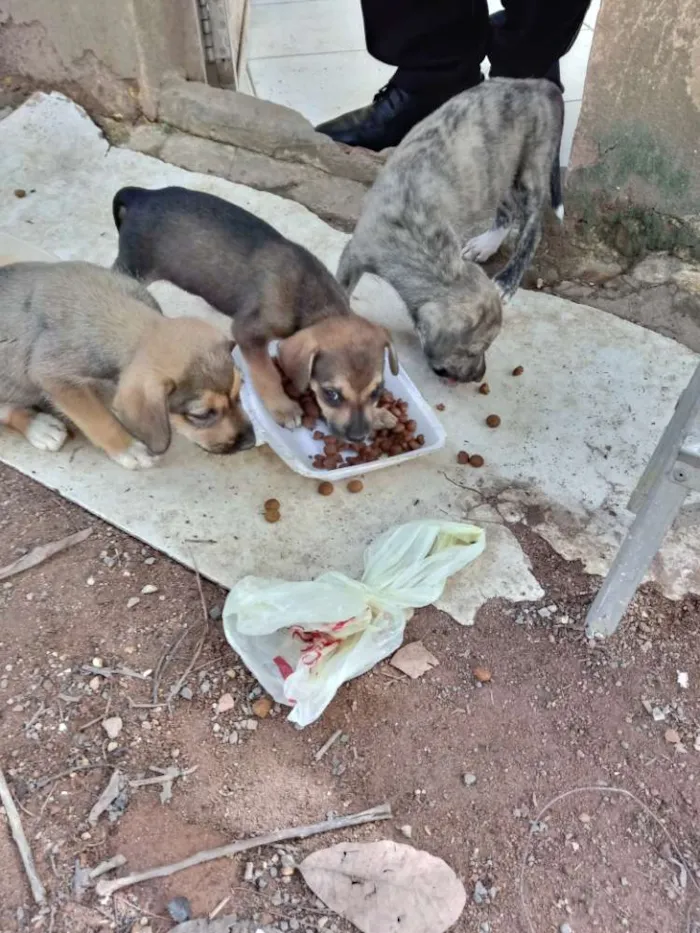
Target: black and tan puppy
(271, 288)
(91, 346)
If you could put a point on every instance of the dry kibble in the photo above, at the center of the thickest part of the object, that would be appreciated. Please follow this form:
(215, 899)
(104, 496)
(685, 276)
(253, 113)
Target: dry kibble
(325, 488)
(440, 406)
(262, 707)
(518, 371)
(476, 460)
(463, 457)
(484, 388)
(493, 421)
(482, 674)
(355, 485)
(272, 505)
(272, 516)
(20, 193)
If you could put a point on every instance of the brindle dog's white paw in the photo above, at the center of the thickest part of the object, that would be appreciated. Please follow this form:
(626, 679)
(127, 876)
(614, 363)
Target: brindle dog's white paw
(135, 457)
(287, 413)
(481, 248)
(46, 432)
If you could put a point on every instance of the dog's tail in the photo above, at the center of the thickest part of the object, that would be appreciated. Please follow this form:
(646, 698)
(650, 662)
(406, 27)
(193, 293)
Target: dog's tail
(555, 186)
(122, 201)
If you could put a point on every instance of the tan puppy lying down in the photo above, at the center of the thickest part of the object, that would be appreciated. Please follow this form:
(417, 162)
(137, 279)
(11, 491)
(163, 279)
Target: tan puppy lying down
(91, 346)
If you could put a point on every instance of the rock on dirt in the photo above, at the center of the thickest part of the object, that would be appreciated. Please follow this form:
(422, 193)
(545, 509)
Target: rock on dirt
(113, 726)
(179, 909)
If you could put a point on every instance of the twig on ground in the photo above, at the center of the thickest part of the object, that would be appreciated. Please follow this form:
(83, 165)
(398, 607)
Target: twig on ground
(169, 775)
(109, 672)
(93, 722)
(38, 892)
(327, 745)
(219, 907)
(164, 661)
(42, 553)
(109, 865)
(383, 812)
(107, 797)
(593, 789)
(43, 782)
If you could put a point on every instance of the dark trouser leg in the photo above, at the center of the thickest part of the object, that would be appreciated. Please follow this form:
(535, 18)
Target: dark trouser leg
(431, 42)
(528, 37)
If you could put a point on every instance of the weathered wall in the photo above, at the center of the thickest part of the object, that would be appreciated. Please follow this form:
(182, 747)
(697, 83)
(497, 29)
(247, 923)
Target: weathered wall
(110, 56)
(639, 131)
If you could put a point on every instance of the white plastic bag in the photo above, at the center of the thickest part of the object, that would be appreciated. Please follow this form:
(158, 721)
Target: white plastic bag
(303, 640)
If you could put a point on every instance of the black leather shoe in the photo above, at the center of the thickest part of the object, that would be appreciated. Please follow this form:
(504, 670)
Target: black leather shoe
(392, 113)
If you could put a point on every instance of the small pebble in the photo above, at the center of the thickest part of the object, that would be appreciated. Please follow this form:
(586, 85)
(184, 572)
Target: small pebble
(180, 909)
(249, 871)
(225, 704)
(98, 662)
(132, 601)
(406, 831)
(186, 693)
(148, 589)
(565, 928)
(113, 726)
(469, 780)
(355, 485)
(216, 612)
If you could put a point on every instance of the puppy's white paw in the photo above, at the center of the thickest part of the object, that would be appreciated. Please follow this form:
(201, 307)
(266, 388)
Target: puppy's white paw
(287, 413)
(46, 432)
(483, 247)
(135, 457)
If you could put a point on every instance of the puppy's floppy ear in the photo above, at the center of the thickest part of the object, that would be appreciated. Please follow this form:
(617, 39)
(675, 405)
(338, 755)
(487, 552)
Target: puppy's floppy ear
(141, 405)
(391, 350)
(297, 355)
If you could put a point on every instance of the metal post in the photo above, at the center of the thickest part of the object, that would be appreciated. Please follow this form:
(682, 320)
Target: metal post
(672, 471)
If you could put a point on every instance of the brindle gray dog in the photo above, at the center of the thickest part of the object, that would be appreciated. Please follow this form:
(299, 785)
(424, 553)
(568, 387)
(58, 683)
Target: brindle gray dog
(494, 147)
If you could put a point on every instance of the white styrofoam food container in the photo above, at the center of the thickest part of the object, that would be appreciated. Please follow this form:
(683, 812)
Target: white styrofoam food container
(297, 447)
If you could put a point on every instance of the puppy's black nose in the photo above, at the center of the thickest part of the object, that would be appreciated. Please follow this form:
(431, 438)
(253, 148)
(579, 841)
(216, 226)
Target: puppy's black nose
(246, 440)
(442, 373)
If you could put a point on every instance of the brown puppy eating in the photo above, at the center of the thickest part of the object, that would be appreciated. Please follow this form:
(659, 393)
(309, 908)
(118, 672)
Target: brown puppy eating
(270, 288)
(91, 345)
(341, 360)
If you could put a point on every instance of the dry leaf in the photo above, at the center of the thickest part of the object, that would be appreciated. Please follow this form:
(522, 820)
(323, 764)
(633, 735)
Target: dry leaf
(386, 887)
(414, 660)
(39, 554)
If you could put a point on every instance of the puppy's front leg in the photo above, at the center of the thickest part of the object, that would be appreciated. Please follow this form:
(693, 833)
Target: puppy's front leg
(87, 412)
(268, 384)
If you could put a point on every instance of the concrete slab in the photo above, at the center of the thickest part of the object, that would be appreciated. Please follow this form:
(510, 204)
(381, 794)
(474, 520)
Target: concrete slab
(577, 426)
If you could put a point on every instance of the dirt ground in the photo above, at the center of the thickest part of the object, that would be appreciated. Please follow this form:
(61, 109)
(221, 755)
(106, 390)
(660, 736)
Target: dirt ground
(558, 714)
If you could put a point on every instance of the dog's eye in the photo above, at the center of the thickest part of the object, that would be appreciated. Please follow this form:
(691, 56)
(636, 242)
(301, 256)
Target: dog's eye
(332, 396)
(377, 394)
(200, 418)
